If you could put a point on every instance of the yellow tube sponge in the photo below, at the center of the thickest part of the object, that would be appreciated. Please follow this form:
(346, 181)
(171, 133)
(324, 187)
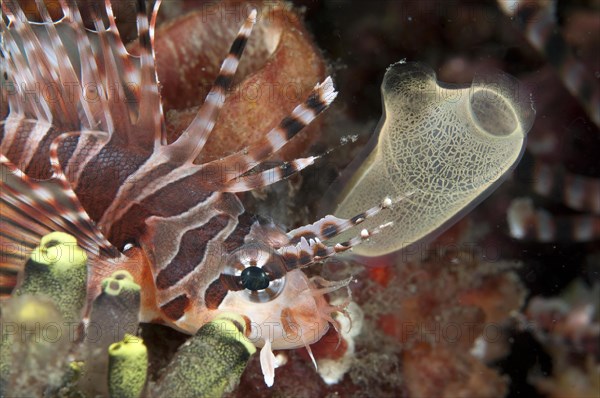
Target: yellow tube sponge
(57, 269)
(211, 362)
(34, 347)
(127, 367)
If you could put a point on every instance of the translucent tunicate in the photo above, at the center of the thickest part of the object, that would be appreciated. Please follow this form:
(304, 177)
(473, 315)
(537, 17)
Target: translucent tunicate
(444, 149)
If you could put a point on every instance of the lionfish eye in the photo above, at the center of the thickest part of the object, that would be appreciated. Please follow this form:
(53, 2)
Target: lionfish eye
(257, 270)
(255, 278)
(129, 244)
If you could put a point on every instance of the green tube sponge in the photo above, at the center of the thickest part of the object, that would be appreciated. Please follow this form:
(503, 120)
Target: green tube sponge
(114, 313)
(210, 363)
(116, 310)
(34, 347)
(127, 367)
(57, 269)
(68, 386)
(125, 282)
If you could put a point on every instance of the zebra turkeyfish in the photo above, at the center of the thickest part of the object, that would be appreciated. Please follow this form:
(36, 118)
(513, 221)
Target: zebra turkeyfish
(103, 171)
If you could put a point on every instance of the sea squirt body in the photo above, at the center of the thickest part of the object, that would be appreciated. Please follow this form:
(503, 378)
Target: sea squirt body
(443, 149)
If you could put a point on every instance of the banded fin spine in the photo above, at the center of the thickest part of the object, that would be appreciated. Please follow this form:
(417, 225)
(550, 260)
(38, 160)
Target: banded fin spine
(267, 177)
(329, 226)
(538, 22)
(148, 117)
(310, 251)
(576, 191)
(31, 209)
(527, 223)
(190, 143)
(245, 160)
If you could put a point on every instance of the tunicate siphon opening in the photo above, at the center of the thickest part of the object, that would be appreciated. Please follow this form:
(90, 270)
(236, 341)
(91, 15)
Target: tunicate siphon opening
(499, 105)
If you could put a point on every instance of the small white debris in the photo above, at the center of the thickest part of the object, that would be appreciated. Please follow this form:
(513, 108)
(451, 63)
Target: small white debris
(479, 348)
(348, 138)
(364, 234)
(519, 211)
(387, 202)
(401, 62)
(280, 360)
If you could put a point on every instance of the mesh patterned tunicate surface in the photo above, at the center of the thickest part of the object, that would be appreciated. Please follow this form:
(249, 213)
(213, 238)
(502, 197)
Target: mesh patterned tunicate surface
(439, 147)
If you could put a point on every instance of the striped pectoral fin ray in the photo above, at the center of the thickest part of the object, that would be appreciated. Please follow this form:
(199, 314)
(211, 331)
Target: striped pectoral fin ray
(30, 209)
(312, 250)
(100, 92)
(537, 20)
(578, 192)
(109, 73)
(60, 98)
(189, 145)
(98, 113)
(148, 118)
(247, 159)
(329, 226)
(17, 63)
(267, 177)
(528, 223)
(306, 243)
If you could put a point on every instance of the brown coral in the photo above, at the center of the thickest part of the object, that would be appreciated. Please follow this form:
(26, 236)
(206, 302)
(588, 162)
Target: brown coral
(279, 68)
